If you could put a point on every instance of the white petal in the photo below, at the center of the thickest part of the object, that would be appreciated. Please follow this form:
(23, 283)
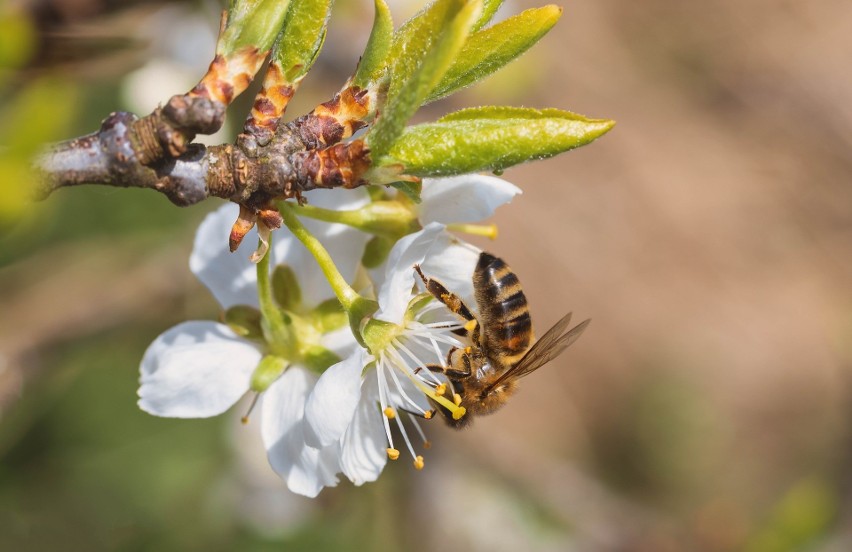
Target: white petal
(363, 452)
(452, 261)
(230, 277)
(196, 370)
(332, 403)
(465, 198)
(340, 341)
(395, 291)
(306, 470)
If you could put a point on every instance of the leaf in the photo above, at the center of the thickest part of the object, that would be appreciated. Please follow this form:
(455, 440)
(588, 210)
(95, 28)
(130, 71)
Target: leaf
(252, 23)
(490, 138)
(422, 51)
(489, 8)
(487, 51)
(301, 38)
(372, 62)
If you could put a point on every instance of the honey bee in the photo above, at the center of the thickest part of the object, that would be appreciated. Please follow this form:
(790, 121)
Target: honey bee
(503, 348)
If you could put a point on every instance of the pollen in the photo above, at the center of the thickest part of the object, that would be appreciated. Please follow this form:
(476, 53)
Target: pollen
(428, 414)
(441, 389)
(393, 453)
(467, 350)
(390, 413)
(457, 399)
(470, 325)
(418, 463)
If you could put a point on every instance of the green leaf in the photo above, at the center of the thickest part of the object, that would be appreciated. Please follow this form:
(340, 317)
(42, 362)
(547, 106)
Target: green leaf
(252, 23)
(302, 38)
(372, 63)
(489, 8)
(490, 138)
(487, 51)
(422, 50)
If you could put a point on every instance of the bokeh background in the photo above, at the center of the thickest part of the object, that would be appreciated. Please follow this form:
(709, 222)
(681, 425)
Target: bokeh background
(709, 237)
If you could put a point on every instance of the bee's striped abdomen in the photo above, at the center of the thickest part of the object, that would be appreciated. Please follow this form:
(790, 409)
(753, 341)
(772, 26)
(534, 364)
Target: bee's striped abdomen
(502, 306)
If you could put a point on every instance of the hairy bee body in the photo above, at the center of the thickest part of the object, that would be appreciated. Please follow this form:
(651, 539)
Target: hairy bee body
(503, 347)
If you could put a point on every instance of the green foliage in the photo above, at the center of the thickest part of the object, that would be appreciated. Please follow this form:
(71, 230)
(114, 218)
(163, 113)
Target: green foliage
(372, 64)
(490, 138)
(302, 37)
(252, 23)
(489, 8)
(422, 51)
(487, 51)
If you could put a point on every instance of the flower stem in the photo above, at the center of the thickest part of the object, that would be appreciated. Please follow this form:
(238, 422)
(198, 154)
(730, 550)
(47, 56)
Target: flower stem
(391, 219)
(356, 306)
(278, 332)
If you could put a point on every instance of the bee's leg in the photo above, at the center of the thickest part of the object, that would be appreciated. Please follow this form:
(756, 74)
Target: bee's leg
(458, 370)
(442, 294)
(431, 368)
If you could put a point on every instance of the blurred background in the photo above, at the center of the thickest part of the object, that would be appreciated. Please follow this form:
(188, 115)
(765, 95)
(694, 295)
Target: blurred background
(709, 237)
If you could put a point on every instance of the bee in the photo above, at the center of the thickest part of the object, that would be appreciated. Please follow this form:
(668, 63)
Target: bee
(503, 348)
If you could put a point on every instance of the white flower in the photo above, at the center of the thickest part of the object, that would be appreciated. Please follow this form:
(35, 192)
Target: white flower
(201, 368)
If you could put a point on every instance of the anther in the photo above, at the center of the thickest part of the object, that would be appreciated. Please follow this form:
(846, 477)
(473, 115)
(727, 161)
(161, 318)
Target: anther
(418, 463)
(467, 350)
(427, 444)
(470, 325)
(428, 414)
(441, 389)
(393, 454)
(390, 413)
(457, 399)
(245, 419)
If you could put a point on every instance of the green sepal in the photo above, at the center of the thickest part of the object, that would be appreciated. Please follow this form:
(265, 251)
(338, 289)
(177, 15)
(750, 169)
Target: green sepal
(377, 334)
(319, 359)
(252, 23)
(245, 321)
(489, 8)
(490, 138)
(411, 190)
(487, 51)
(376, 251)
(268, 370)
(285, 288)
(417, 303)
(372, 63)
(302, 37)
(422, 51)
(360, 311)
(329, 316)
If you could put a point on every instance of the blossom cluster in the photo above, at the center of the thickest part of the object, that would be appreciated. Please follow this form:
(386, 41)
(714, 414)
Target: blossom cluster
(330, 377)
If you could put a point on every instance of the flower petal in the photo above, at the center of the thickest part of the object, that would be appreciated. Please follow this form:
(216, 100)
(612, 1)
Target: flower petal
(230, 277)
(306, 470)
(395, 291)
(196, 370)
(332, 403)
(464, 198)
(363, 448)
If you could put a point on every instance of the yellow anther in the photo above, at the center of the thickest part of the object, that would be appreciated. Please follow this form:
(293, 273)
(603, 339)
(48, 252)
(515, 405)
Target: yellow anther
(467, 350)
(459, 412)
(418, 463)
(470, 325)
(393, 454)
(428, 414)
(244, 420)
(390, 413)
(427, 444)
(457, 398)
(441, 389)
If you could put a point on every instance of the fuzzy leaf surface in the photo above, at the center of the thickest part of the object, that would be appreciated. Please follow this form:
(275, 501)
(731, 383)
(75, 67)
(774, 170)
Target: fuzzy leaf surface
(372, 62)
(302, 37)
(252, 23)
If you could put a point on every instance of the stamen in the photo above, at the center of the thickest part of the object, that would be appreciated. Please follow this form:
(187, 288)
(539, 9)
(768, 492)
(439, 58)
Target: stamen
(457, 399)
(405, 437)
(441, 389)
(470, 325)
(426, 443)
(245, 419)
(418, 463)
(393, 454)
(383, 397)
(486, 230)
(390, 413)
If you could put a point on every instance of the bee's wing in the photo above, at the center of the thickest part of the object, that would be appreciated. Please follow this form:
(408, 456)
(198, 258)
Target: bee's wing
(550, 346)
